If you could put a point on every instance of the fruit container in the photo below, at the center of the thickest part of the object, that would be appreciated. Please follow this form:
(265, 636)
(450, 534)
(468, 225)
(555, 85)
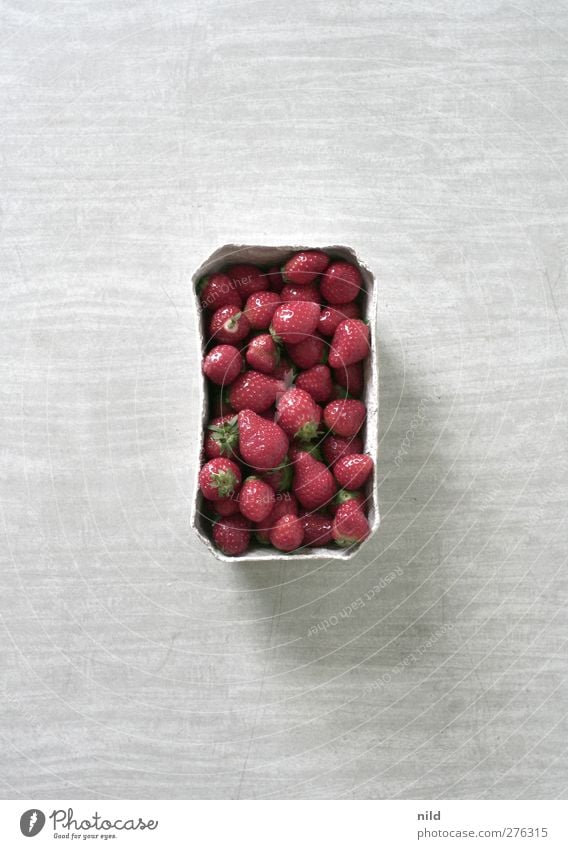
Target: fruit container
(264, 257)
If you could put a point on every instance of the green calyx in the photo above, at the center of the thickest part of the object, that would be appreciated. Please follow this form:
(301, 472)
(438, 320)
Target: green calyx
(341, 393)
(308, 431)
(224, 482)
(232, 322)
(343, 496)
(311, 449)
(226, 435)
(201, 284)
(275, 337)
(345, 542)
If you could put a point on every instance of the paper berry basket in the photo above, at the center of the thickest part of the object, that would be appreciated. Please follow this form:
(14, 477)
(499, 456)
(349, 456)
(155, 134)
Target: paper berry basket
(265, 257)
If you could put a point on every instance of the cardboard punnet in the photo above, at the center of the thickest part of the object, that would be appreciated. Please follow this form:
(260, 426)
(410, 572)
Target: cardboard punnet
(265, 257)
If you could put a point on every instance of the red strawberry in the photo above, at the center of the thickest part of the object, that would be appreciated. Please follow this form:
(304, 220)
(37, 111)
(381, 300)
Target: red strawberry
(253, 391)
(298, 414)
(221, 437)
(295, 320)
(219, 478)
(350, 378)
(287, 534)
(292, 292)
(314, 485)
(260, 307)
(344, 417)
(317, 528)
(224, 506)
(350, 343)
(341, 283)
(335, 447)
(316, 381)
(222, 364)
(216, 291)
(256, 499)
(285, 505)
(349, 525)
(305, 266)
(275, 278)
(229, 325)
(279, 478)
(232, 535)
(345, 495)
(331, 317)
(352, 471)
(309, 352)
(262, 444)
(263, 353)
(247, 279)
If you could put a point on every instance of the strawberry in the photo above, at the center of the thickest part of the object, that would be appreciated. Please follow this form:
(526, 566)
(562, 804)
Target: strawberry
(232, 535)
(253, 391)
(221, 437)
(344, 418)
(317, 528)
(316, 381)
(275, 280)
(260, 307)
(285, 504)
(345, 495)
(279, 478)
(298, 414)
(309, 352)
(331, 317)
(287, 534)
(304, 267)
(349, 525)
(262, 445)
(285, 371)
(350, 378)
(350, 343)
(222, 364)
(256, 499)
(352, 471)
(229, 325)
(247, 279)
(263, 353)
(223, 506)
(292, 292)
(295, 320)
(314, 485)
(216, 291)
(219, 478)
(335, 447)
(341, 283)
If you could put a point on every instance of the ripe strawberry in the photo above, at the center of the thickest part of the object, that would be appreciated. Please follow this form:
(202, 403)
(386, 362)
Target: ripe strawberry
(287, 534)
(304, 267)
(331, 317)
(345, 495)
(279, 478)
(219, 478)
(350, 378)
(349, 525)
(256, 499)
(263, 353)
(350, 343)
(260, 307)
(232, 535)
(253, 391)
(275, 281)
(317, 528)
(341, 283)
(262, 445)
(295, 320)
(222, 364)
(229, 325)
(344, 418)
(285, 504)
(247, 279)
(351, 472)
(335, 447)
(298, 414)
(223, 506)
(216, 291)
(316, 381)
(314, 485)
(309, 352)
(221, 437)
(292, 292)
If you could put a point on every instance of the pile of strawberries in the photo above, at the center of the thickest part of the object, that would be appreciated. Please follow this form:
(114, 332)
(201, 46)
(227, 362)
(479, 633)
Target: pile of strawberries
(284, 362)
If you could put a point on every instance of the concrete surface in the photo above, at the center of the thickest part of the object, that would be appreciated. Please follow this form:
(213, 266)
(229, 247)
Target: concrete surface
(137, 137)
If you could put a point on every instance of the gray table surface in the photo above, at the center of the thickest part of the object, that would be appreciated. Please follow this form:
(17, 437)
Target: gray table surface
(136, 138)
